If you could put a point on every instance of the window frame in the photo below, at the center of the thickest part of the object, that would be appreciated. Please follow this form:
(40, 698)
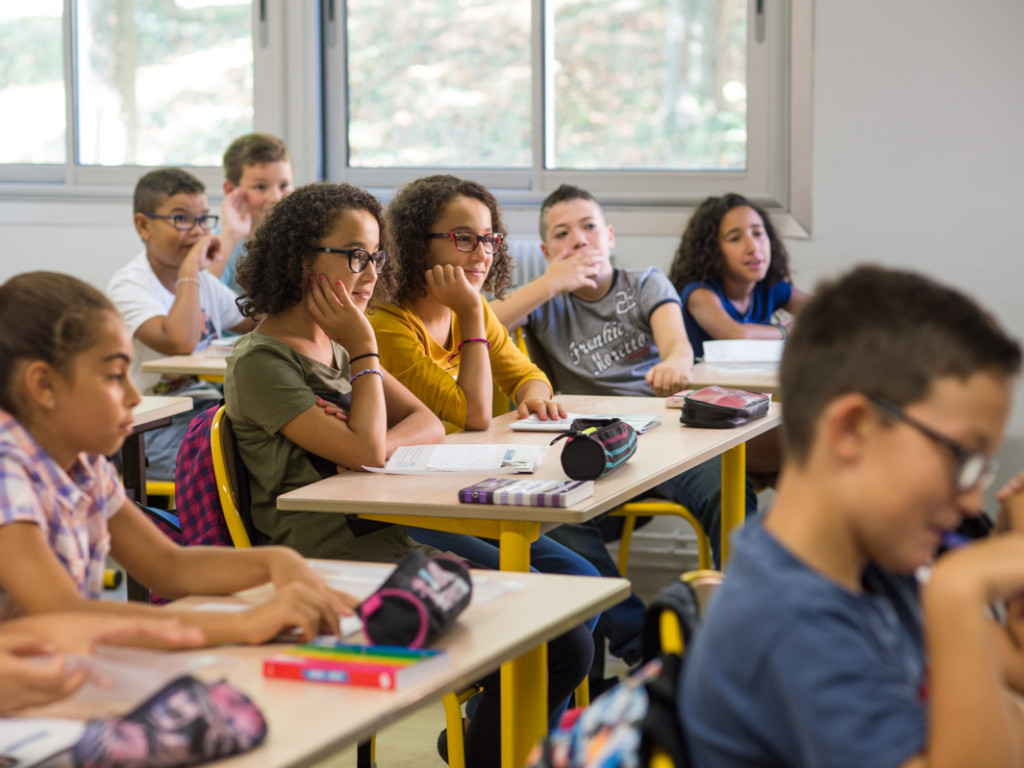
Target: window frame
(643, 202)
(296, 50)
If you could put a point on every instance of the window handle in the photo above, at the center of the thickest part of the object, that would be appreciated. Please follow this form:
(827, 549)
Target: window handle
(263, 24)
(759, 20)
(332, 31)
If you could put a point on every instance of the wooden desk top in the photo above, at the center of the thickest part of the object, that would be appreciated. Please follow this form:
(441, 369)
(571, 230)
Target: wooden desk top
(706, 374)
(662, 453)
(309, 722)
(156, 407)
(188, 365)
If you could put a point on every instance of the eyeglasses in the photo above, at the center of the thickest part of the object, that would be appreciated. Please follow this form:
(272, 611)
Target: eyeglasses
(973, 468)
(185, 221)
(467, 242)
(358, 258)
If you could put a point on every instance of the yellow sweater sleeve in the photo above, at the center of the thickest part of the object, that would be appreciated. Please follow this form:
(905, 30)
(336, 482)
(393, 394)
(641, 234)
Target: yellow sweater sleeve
(430, 371)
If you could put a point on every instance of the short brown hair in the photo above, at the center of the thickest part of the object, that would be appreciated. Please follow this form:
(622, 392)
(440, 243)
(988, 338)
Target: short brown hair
(272, 271)
(45, 316)
(411, 217)
(887, 334)
(158, 185)
(252, 149)
(563, 194)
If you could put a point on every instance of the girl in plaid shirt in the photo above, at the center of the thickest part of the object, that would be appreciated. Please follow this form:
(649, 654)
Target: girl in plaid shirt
(66, 402)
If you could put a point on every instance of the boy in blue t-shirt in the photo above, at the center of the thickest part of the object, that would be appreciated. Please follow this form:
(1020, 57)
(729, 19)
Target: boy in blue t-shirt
(822, 648)
(257, 174)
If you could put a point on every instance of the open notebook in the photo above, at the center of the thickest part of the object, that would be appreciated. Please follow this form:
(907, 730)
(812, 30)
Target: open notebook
(641, 422)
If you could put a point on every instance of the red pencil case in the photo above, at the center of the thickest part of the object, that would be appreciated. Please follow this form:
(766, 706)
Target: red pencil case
(721, 408)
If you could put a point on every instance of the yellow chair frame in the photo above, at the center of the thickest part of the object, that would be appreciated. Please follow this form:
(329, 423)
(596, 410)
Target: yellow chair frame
(161, 488)
(657, 508)
(224, 472)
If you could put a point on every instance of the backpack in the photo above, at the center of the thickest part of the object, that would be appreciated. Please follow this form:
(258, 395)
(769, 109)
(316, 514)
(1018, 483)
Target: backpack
(628, 724)
(198, 502)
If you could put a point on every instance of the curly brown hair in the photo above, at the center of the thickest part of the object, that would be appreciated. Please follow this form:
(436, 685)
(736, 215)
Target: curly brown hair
(699, 256)
(278, 255)
(411, 217)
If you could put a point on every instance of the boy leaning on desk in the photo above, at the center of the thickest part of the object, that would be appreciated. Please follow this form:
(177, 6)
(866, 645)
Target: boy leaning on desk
(823, 646)
(169, 300)
(605, 330)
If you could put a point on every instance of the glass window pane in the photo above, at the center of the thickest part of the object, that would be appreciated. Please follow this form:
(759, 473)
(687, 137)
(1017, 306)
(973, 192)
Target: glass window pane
(163, 83)
(439, 83)
(649, 84)
(32, 95)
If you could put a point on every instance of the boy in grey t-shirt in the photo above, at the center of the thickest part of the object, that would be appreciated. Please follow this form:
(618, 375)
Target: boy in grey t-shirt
(608, 331)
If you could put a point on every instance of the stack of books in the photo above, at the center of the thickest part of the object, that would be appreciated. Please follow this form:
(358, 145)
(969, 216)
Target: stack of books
(527, 493)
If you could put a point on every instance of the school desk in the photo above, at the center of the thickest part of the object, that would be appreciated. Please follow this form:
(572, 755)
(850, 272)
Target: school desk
(309, 722)
(152, 413)
(209, 367)
(431, 501)
(763, 379)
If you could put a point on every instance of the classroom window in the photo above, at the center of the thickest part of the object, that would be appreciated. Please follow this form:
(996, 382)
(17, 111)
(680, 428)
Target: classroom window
(152, 82)
(32, 93)
(649, 102)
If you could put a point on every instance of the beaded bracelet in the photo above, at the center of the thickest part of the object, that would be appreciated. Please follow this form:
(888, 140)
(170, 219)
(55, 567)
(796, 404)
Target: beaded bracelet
(360, 357)
(364, 372)
(464, 342)
(181, 280)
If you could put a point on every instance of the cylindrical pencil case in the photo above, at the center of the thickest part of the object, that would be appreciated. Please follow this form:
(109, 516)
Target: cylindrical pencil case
(595, 447)
(419, 600)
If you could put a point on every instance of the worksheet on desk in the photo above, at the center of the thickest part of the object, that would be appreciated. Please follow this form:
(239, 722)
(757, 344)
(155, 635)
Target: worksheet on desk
(496, 458)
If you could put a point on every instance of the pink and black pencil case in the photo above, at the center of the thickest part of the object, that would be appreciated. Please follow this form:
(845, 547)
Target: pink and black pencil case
(418, 601)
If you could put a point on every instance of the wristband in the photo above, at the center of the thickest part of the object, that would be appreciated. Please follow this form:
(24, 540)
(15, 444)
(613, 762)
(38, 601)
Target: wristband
(360, 357)
(364, 372)
(464, 342)
(181, 280)
(783, 331)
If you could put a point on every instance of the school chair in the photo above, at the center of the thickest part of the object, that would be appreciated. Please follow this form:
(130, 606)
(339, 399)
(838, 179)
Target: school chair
(226, 474)
(655, 507)
(161, 488)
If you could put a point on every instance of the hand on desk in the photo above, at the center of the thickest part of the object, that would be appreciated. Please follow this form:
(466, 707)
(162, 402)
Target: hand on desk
(32, 669)
(297, 606)
(288, 567)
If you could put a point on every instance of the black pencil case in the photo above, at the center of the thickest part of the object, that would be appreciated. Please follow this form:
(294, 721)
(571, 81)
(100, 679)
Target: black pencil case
(596, 447)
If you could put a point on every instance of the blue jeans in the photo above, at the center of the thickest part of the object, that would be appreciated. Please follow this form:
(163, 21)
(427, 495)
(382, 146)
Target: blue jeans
(546, 556)
(622, 624)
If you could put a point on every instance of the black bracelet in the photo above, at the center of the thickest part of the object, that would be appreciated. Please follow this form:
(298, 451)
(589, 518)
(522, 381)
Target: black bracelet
(360, 357)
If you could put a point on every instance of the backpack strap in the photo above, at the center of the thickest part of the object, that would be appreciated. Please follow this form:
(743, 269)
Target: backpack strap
(661, 728)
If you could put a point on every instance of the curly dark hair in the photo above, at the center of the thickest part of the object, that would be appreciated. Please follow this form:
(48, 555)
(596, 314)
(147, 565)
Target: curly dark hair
(278, 255)
(411, 217)
(699, 256)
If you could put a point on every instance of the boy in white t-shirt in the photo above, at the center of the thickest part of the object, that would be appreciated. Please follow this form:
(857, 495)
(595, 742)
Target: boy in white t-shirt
(171, 304)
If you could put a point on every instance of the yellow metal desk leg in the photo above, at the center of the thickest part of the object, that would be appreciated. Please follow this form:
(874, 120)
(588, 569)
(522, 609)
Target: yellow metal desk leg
(734, 469)
(524, 681)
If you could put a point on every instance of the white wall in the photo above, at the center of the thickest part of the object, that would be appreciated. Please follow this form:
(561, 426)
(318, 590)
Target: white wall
(918, 125)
